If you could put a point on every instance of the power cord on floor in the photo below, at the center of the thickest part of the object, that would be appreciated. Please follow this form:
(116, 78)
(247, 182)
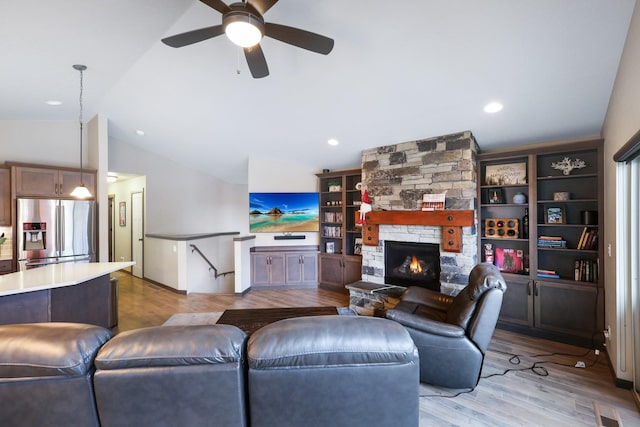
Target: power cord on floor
(447, 396)
(535, 368)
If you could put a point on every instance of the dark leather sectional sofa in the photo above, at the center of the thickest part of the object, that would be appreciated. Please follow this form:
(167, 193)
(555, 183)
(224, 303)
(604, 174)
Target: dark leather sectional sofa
(311, 371)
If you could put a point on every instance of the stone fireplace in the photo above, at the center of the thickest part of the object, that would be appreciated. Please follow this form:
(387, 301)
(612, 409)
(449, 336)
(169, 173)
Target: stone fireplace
(412, 264)
(397, 177)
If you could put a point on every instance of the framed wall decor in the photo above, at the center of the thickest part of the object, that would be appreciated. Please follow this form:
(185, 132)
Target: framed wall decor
(123, 214)
(555, 215)
(496, 196)
(506, 174)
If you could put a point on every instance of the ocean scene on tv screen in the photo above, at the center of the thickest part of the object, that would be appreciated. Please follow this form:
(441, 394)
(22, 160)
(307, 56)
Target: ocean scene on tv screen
(283, 212)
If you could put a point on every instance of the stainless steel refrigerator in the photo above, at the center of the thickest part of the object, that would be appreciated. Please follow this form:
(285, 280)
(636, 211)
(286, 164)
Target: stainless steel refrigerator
(54, 231)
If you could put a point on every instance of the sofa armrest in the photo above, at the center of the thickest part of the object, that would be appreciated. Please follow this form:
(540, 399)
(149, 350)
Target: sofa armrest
(428, 298)
(425, 324)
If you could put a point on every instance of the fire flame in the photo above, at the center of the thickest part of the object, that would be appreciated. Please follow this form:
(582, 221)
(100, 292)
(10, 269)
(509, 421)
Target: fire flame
(415, 265)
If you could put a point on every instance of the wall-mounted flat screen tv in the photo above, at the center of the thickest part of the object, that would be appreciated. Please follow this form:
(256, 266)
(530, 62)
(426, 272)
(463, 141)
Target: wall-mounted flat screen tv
(283, 212)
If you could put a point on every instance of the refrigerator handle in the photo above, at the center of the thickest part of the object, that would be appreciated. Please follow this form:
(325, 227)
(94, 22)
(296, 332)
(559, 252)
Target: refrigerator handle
(61, 235)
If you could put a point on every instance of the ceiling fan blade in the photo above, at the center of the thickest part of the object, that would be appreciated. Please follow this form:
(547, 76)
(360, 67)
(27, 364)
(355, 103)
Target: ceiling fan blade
(262, 5)
(256, 61)
(300, 38)
(195, 36)
(217, 5)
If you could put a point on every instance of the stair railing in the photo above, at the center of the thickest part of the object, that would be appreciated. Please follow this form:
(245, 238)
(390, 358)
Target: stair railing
(211, 266)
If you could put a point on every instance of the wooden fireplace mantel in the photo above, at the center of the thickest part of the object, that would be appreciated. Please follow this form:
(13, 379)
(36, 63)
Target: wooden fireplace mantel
(451, 222)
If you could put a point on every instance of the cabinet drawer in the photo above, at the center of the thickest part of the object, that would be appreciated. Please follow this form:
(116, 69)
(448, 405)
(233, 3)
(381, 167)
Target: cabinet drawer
(5, 266)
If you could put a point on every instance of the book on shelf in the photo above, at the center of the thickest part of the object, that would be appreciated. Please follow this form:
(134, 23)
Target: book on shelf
(328, 231)
(588, 239)
(551, 242)
(586, 270)
(357, 246)
(509, 260)
(333, 217)
(549, 276)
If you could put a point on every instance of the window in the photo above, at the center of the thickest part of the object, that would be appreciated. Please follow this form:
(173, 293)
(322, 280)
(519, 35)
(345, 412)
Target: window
(628, 238)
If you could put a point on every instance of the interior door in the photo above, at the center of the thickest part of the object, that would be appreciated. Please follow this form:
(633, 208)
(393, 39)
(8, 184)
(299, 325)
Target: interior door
(137, 233)
(111, 211)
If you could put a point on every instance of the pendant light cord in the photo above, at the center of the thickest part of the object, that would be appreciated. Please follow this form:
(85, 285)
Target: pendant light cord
(81, 191)
(81, 125)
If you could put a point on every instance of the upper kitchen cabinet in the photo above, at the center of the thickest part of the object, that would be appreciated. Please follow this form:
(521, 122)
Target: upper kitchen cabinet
(5, 196)
(50, 182)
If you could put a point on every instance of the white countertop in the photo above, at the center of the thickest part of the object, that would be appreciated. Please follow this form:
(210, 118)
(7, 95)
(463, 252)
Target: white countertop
(56, 276)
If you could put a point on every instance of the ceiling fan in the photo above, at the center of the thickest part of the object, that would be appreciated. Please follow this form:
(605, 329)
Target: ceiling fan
(242, 22)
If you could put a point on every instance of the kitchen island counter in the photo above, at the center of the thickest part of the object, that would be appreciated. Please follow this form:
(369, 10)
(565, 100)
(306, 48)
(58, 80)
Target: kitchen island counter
(70, 292)
(56, 276)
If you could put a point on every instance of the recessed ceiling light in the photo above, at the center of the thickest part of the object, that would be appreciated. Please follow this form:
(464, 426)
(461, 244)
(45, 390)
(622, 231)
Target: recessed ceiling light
(333, 141)
(493, 107)
(53, 102)
(140, 132)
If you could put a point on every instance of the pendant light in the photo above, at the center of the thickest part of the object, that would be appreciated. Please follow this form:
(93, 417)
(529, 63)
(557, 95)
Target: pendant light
(81, 191)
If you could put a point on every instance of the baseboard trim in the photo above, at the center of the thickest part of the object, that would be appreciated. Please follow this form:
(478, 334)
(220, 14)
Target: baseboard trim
(162, 285)
(625, 384)
(548, 335)
(619, 382)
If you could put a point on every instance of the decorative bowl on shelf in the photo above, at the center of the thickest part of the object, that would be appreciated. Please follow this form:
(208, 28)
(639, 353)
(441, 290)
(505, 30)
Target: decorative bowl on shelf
(519, 198)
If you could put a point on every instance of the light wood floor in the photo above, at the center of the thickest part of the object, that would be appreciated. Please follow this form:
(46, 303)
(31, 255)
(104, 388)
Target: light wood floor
(562, 397)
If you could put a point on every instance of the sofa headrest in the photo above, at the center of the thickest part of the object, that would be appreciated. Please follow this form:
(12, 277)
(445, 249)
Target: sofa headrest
(483, 277)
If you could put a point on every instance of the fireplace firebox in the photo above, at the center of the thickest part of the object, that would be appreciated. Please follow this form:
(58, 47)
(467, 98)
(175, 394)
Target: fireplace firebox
(412, 264)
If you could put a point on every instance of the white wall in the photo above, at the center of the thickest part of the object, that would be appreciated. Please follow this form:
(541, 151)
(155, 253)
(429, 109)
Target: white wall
(44, 142)
(268, 175)
(178, 200)
(621, 123)
(96, 146)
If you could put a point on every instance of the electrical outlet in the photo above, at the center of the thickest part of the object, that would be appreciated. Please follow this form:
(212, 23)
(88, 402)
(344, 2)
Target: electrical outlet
(607, 333)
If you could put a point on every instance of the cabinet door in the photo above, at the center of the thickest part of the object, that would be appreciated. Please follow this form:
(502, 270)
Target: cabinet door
(68, 180)
(260, 269)
(37, 182)
(310, 269)
(5, 197)
(517, 303)
(331, 270)
(352, 269)
(5, 266)
(566, 308)
(277, 268)
(301, 268)
(294, 269)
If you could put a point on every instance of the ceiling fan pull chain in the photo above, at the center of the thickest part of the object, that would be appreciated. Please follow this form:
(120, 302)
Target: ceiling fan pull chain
(238, 60)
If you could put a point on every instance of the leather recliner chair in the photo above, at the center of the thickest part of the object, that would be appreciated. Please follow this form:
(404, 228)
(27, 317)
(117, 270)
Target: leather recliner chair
(452, 333)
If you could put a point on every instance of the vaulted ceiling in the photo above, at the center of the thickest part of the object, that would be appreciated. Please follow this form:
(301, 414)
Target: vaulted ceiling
(399, 71)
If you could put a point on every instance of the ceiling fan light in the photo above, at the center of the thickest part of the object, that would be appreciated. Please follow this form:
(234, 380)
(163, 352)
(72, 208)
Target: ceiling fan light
(81, 192)
(243, 33)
